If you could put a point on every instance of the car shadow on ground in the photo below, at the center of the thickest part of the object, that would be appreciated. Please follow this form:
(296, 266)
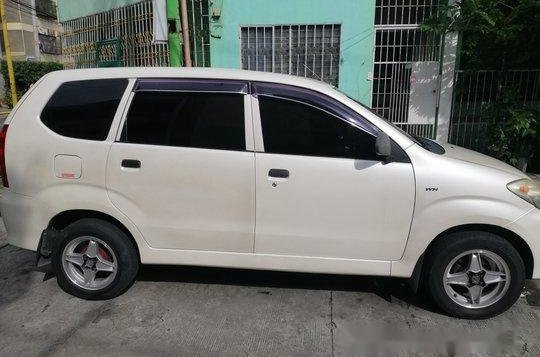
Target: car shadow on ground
(388, 289)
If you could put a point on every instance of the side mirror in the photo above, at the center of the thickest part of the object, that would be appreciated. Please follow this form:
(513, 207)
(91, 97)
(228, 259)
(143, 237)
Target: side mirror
(383, 145)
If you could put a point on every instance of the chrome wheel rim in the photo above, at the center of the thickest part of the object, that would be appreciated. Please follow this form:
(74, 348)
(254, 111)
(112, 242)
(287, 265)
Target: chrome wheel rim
(89, 263)
(476, 279)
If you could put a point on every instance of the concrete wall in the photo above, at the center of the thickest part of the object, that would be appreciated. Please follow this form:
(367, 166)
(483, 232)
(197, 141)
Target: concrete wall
(47, 27)
(72, 9)
(355, 16)
(20, 30)
(24, 29)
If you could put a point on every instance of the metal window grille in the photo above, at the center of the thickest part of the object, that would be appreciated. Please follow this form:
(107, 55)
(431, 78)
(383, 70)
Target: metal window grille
(403, 12)
(49, 44)
(475, 91)
(398, 43)
(199, 32)
(395, 50)
(132, 25)
(46, 9)
(304, 50)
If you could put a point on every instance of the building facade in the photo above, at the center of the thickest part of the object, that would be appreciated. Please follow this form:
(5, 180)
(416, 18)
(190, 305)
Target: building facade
(114, 33)
(373, 51)
(34, 31)
(327, 40)
(131, 32)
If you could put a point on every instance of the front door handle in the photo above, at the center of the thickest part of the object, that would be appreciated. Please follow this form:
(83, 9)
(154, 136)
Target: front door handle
(131, 164)
(278, 173)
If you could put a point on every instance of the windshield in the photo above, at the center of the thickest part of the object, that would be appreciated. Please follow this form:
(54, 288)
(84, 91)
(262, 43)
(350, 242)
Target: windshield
(425, 143)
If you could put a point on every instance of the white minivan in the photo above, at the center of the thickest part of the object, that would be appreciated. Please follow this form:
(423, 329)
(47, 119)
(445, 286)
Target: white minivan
(107, 169)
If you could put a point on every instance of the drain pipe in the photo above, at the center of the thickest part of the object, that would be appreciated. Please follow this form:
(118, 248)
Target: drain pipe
(185, 34)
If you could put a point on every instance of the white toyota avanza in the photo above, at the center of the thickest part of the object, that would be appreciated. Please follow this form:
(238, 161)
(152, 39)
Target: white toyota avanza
(107, 169)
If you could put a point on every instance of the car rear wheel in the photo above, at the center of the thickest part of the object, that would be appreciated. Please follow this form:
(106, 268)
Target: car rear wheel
(95, 260)
(474, 275)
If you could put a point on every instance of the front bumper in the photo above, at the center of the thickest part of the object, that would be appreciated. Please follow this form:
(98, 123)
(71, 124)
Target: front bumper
(528, 228)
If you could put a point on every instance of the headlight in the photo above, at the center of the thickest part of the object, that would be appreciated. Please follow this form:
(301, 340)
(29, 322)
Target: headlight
(528, 189)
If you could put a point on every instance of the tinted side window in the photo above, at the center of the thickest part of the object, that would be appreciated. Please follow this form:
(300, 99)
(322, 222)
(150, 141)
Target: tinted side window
(200, 120)
(84, 109)
(294, 128)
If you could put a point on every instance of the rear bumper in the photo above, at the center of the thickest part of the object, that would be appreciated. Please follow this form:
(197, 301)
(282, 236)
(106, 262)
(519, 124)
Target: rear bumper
(528, 228)
(25, 219)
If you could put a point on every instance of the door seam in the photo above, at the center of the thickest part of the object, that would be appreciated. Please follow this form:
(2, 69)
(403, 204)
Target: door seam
(255, 199)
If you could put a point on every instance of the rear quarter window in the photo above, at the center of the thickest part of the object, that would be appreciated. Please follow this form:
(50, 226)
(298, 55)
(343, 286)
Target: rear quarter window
(84, 109)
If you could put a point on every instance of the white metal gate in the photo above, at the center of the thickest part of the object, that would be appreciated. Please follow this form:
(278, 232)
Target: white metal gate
(401, 47)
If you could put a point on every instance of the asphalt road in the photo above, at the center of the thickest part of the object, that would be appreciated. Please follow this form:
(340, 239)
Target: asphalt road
(187, 311)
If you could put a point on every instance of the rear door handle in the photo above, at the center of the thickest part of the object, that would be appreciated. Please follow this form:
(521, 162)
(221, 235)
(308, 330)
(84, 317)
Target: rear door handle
(278, 173)
(131, 164)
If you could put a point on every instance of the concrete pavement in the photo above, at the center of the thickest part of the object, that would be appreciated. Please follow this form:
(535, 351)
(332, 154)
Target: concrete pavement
(188, 311)
(3, 233)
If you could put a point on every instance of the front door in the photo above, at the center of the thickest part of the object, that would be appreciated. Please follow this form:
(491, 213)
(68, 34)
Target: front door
(321, 189)
(183, 170)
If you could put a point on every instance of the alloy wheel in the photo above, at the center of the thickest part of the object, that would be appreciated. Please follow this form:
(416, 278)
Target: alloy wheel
(476, 279)
(89, 263)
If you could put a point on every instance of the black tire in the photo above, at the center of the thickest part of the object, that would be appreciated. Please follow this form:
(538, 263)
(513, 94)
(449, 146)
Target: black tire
(117, 240)
(454, 244)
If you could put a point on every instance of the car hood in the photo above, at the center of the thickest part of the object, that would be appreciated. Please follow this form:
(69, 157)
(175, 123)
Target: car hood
(459, 153)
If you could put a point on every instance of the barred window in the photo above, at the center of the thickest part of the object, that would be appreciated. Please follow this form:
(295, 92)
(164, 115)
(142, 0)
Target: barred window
(303, 50)
(404, 12)
(50, 44)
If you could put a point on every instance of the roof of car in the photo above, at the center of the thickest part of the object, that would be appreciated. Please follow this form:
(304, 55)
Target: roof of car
(189, 72)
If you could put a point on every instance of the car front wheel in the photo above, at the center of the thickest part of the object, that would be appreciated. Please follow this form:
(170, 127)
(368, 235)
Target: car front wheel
(474, 275)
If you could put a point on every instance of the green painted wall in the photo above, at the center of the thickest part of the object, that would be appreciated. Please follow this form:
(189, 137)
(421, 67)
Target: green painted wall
(175, 42)
(355, 16)
(72, 9)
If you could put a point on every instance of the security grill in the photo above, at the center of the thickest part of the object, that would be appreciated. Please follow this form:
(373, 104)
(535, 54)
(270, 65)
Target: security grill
(199, 32)
(400, 46)
(474, 94)
(303, 50)
(403, 12)
(49, 44)
(131, 25)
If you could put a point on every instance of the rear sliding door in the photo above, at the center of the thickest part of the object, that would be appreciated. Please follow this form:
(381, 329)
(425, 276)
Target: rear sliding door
(182, 168)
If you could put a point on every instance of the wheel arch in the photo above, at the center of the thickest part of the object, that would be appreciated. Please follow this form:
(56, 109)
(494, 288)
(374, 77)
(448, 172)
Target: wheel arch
(517, 242)
(65, 218)
(514, 239)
